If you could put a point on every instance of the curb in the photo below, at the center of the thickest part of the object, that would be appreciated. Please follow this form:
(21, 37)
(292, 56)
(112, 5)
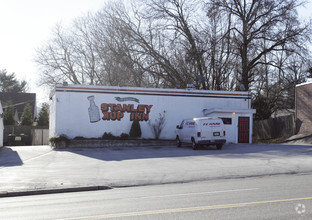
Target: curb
(4, 194)
(52, 191)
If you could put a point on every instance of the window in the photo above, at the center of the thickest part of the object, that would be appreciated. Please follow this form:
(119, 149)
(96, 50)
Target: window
(227, 121)
(181, 125)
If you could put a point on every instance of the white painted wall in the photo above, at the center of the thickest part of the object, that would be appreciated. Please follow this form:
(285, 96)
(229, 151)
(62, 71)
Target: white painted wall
(69, 106)
(52, 117)
(1, 125)
(232, 130)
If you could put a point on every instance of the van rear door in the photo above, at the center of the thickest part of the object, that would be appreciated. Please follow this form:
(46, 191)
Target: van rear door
(217, 130)
(205, 129)
(211, 129)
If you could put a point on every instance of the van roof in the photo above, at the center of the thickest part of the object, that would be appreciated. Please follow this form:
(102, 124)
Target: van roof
(206, 118)
(201, 118)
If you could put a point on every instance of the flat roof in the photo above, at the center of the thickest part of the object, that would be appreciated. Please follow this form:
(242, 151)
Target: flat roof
(229, 110)
(151, 91)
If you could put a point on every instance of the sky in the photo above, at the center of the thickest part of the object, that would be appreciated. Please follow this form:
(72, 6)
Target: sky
(25, 25)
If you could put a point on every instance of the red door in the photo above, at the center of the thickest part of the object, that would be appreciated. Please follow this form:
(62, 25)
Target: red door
(243, 129)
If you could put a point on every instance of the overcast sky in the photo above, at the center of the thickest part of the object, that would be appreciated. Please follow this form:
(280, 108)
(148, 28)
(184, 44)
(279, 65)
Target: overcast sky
(26, 24)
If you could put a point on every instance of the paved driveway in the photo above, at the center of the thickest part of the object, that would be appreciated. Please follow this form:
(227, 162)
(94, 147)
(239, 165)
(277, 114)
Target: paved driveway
(40, 167)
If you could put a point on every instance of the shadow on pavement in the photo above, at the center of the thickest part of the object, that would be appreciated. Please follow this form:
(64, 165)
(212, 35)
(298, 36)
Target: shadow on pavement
(238, 151)
(9, 157)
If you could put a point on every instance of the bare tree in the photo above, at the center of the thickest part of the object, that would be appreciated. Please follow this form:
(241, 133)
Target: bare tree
(276, 21)
(216, 44)
(220, 54)
(116, 49)
(94, 50)
(158, 125)
(56, 59)
(85, 47)
(174, 45)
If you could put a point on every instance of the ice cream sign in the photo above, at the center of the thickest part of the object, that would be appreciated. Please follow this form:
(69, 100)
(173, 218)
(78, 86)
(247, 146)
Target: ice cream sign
(116, 111)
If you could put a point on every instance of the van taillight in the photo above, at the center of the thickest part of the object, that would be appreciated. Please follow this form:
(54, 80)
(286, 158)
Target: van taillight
(223, 133)
(198, 134)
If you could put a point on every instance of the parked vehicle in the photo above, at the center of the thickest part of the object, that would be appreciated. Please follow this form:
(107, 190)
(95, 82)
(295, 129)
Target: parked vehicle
(201, 131)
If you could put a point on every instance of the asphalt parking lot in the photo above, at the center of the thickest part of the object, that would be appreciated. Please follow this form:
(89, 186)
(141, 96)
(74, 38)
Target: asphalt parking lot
(29, 168)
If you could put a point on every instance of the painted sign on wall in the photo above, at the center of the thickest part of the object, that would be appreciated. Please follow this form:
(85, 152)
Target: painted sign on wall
(94, 113)
(113, 111)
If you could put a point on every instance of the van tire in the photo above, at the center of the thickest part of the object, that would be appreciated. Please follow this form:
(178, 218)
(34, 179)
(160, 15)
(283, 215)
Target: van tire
(194, 145)
(219, 146)
(178, 142)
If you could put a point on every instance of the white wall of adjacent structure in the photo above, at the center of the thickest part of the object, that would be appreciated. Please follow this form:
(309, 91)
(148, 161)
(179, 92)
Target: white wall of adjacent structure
(70, 114)
(1, 125)
(232, 129)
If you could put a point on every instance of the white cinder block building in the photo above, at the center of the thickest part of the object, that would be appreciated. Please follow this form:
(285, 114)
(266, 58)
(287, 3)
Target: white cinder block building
(89, 111)
(1, 125)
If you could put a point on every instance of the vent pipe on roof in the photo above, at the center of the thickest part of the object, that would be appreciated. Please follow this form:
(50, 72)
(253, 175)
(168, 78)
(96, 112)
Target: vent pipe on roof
(190, 87)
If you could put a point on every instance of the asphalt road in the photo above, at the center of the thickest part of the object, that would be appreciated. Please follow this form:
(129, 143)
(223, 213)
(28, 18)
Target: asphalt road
(268, 197)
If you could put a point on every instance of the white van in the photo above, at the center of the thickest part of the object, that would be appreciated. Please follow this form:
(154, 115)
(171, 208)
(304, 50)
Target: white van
(201, 131)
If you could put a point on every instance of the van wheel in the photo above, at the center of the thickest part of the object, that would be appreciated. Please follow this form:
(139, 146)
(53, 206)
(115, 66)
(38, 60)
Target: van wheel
(219, 146)
(194, 145)
(178, 142)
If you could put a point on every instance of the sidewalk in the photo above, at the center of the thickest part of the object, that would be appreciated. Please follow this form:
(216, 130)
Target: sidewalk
(39, 169)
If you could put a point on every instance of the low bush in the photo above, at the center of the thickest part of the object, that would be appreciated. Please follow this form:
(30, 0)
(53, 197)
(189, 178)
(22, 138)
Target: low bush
(135, 130)
(124, 136)
(108, 136)
(59, 141)
(79, 138)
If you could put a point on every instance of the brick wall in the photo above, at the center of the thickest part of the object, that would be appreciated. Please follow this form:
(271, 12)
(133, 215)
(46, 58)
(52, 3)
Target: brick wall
(304, 108)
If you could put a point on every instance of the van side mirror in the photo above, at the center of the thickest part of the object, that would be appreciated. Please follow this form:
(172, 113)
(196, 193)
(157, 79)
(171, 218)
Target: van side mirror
(178, 126)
